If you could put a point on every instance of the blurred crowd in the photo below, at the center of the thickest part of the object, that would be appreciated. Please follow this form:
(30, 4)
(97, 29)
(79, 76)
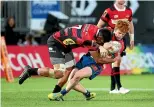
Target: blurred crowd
(13, 37)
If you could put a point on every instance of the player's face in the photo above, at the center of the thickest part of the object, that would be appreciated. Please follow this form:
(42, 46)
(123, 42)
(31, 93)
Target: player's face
(118, 34)
(100, 40)
(121, 2)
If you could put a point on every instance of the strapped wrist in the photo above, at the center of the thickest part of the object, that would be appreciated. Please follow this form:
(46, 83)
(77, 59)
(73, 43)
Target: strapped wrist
(131, 37)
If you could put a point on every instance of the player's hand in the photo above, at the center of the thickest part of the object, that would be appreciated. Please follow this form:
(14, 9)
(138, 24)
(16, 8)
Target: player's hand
(107, 45)
(131, 45)
(103, 51)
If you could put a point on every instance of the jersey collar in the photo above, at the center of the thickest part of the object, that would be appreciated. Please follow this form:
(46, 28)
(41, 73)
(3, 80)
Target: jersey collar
(119, 9)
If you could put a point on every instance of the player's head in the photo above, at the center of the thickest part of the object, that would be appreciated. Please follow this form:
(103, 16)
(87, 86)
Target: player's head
(120, 2)
(103, 35)
(121, 28)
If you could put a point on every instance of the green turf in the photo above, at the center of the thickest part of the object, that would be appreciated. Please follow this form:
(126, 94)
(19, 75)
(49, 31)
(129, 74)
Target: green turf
(33, 93)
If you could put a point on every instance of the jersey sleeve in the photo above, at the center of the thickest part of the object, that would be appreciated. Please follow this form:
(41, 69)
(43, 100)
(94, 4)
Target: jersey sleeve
(131, 16)
(105, 16)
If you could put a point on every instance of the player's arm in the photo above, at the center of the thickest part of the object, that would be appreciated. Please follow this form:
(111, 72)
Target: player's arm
(104, 19)
(131, 35)
(106, 60)
(100, 23)
(131, 31)
(90, 43)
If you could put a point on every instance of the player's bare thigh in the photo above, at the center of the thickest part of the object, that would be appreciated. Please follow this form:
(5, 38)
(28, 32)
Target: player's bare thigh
(117, 63)
(83, 73)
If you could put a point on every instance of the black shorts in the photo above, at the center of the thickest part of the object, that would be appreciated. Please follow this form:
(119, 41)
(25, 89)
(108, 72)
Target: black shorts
(59, 54)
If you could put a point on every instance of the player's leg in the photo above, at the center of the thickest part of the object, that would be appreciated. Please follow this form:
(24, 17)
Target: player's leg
(70, 62)
(113, 83)
(57, 59)
(79, 88)
(88, 68)
(115, 77)
(56, 94)
(83, 73)
(62, 81)
(116, 74)
(88, 95)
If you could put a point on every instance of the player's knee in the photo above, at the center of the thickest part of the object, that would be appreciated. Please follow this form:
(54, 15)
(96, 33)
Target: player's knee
(59, 67)
(77, 77)
(58, 74)
(44, 71)
(67, 72)
(69, 69)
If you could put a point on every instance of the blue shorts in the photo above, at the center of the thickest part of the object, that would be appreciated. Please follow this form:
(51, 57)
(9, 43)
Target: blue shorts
(88, 61)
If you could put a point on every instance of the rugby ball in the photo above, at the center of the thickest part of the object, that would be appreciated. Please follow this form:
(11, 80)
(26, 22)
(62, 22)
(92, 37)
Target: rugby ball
(115, 47)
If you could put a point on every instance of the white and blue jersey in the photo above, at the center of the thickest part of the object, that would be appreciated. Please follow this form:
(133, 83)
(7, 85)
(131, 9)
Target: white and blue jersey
(88, 61)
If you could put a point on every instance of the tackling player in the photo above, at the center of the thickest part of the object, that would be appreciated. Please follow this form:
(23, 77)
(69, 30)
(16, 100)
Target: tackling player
(60, 49)
(110, 17)
(89, 66)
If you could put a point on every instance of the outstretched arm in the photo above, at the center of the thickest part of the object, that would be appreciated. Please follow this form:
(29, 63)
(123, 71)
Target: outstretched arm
(100, 23)
(106, 60)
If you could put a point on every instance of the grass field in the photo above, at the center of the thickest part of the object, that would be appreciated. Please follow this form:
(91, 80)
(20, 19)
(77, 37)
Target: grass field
(33, 93)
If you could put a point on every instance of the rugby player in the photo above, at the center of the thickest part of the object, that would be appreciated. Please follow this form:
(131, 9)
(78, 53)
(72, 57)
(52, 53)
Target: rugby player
(110, 17)
(60, 46)
(89, 66)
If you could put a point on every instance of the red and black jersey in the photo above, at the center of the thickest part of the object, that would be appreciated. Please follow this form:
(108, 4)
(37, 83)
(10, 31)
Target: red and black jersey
(112, 15)
(120, 41)
(75, 36)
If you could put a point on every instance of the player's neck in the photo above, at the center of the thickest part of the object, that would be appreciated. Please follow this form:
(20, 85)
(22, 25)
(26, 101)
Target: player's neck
(119, 7)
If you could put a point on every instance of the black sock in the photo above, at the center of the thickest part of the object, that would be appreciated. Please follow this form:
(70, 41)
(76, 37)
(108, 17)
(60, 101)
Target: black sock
(113, 83)
(117, 77)
(33, 71)
(56, 89)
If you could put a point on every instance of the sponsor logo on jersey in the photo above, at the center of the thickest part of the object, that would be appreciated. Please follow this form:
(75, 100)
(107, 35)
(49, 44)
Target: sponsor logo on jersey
(115, 16)
(51, 50)
(69, 41)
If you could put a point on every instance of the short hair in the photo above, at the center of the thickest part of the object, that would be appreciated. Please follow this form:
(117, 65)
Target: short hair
(106, 34)
(122, 25)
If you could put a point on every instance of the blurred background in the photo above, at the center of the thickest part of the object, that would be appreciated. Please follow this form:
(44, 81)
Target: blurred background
(25, 23)
(45, 16)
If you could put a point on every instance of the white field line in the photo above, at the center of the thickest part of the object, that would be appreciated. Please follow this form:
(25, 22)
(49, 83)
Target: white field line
(91, 89)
